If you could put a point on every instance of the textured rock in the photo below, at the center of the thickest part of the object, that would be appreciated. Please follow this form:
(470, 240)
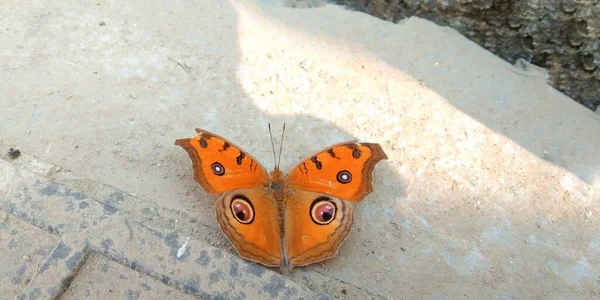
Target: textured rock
(562, 36)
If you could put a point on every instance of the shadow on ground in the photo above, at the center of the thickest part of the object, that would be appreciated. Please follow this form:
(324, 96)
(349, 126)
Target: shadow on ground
(537, 121)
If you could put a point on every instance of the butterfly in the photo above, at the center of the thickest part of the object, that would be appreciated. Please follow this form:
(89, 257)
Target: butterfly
(283, 220)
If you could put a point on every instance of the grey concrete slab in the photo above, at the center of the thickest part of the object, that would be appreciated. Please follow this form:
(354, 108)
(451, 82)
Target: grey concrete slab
(83, 225)
(102, 278)
(57, 271)
(23, 250)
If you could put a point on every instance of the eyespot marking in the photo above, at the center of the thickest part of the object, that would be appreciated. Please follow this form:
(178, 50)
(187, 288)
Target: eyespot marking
(217, 169)
(322, 211)
(242, 209)
(203, 143)
(344, 177)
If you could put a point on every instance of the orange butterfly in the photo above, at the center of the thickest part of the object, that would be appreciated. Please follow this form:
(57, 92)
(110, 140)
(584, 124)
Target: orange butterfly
(283, 221)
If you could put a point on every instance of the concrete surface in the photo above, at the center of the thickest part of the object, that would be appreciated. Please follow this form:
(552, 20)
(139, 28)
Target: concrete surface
(69, 231)
(491, 189)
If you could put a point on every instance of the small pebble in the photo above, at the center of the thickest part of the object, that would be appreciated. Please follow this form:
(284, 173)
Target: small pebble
(26, 257)
(14, 153)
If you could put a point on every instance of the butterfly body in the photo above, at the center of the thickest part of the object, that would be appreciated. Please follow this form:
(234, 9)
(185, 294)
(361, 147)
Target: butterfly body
(277, 219)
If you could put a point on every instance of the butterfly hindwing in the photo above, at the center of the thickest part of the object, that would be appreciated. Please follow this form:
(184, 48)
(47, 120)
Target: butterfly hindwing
(315, 225)
(249, 218)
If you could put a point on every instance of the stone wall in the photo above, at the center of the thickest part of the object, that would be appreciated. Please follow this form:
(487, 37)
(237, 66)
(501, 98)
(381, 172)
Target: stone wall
(562, 36)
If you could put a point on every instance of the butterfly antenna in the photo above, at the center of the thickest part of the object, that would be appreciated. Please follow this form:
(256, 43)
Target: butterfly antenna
(281, 145)
(273, 146)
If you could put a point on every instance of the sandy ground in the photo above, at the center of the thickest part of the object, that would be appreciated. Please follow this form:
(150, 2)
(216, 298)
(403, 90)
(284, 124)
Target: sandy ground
(493, 179)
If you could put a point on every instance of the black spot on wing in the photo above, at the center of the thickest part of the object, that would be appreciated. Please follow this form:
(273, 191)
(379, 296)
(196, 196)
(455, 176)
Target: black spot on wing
(317, 163)
(351, 146)
(240, 158)
(225, 146)
(330, 152)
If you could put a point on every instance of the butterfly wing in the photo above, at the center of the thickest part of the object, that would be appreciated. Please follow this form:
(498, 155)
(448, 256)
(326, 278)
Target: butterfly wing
(249, 218)
(221, 166)
(343, 171)
(315, 226)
